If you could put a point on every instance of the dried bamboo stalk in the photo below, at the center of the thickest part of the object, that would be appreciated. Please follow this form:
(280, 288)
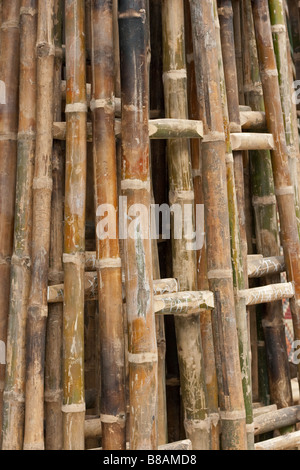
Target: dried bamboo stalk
(42, 189)
(281, 51)
(74, 229)
(193, 387)
(196, 111)
(251, 141)
(265, 266)
(9, 82)
(277, 419)
(217, 229)
(268, 293)
(287, 441)
(14, 392)
(274, 379)
(283, 185)
(253, 120)
(53, 353)
(135, 184)
(108, 262)
(236, 203)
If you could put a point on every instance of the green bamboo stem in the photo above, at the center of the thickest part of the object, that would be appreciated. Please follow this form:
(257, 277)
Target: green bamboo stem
(112, 406)
(42, 188)
(53, 354)
(135, 185)
(74, 231)
(273, 322)
(232, 408)
(14, 392)
(196, 111)
(9, 81)
(188, 337)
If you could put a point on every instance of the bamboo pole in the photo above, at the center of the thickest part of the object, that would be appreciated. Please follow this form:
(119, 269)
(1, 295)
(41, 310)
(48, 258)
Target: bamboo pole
(42, 188)
(267, 237)
(283, 186)
(281, 51)
(276, 419)
(9, 82)
(14, 392)
(196, 111)
(53, 353)
(112, 406)
(193, 388)
(217, 230)
(287, 441)
(236, 198)
(74, 231)
(135, 184)
(260, 267)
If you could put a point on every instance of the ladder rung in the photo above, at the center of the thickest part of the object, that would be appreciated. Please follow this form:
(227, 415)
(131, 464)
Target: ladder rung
(270, 293)
(286, 441)
(251, 141)
(259, 267)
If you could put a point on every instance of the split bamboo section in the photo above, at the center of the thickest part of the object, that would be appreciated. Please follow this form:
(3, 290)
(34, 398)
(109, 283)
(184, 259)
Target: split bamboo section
(149, 225)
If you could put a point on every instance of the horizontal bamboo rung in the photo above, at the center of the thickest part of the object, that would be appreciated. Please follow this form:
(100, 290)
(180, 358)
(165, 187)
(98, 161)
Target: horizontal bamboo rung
(251, 141)
(287, 441)
(259, 267)
(262, 410)
(253, 120)
(276, 419)
(270, 293)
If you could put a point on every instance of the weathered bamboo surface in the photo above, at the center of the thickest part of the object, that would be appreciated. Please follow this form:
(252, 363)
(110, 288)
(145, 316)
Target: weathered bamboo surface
(149, 225)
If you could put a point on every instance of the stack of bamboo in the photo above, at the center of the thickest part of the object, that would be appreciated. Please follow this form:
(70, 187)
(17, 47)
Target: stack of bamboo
(120, 329)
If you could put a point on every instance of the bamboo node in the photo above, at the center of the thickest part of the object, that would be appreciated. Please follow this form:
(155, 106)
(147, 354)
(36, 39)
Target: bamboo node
(76, 108)
(202, 424)
(10, 24)
(270, 72)
(219, 274)
(111, 419)
(175, 74)
(5, 259)
(9, 136)
(278, 28)
(185, 195)
(42, 182)
(229, 157)
(284, 190)
(53, 395)
(131, 13)
(108, 263)
(142, 358)
(28, 11)
(214, 418)
(264, 200)
(26, 135)
(44, 49)
(135, 184)
(250, 427)
(106, 103)
(235, 127)
(11, 395)
(21, 261)
(214, 137)
(232, 415)
(227, 11)
(73, 408)
(76, 258)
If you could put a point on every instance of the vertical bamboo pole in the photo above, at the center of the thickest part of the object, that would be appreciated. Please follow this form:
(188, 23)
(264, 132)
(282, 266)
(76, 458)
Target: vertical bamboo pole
(277, 385)
(239, 248)
(53, 357)
(112, 407)
(42, 188)
(281, 51)
(9, 81)
(74, 232)
(157, 152)
(14, 392)
(188, 337)
(135, 185)
(232, 408)
(196, 111)
(283, 186)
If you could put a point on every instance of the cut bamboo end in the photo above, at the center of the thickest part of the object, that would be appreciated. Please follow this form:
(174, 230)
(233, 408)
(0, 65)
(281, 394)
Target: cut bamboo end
(253, 120)
(251, 141)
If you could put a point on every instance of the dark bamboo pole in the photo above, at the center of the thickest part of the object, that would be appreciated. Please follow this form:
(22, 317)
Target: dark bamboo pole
(53, 355)
(135, 185)
(181, 193)
(112, 406)
(42, 189)
(239, 268)
(9, 82)
(74, 230)
(283, 186)
(196, 111)
(14, 392)
(232, 408)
